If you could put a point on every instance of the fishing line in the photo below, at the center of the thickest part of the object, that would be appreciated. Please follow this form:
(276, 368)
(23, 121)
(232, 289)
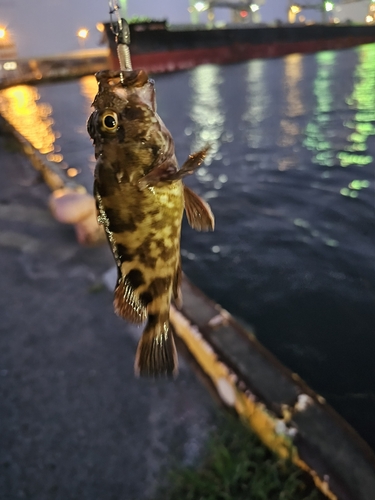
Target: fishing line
(121, 31)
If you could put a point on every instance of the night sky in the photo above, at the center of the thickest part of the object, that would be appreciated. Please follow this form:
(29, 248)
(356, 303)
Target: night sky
(43, 27)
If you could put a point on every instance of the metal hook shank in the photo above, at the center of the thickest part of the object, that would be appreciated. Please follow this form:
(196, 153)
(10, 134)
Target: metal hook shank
(123, 42)
(122, 36)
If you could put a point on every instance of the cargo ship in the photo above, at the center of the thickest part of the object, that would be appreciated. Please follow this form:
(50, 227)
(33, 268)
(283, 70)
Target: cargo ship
(159, 48)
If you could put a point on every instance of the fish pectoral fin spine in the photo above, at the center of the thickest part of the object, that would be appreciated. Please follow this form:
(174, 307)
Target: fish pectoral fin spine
(126, 304)
(168, 172)
(156, 353)
(198, 212)
(193, 162)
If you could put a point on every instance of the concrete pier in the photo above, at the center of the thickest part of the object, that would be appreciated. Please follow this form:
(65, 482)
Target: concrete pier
(54, 68)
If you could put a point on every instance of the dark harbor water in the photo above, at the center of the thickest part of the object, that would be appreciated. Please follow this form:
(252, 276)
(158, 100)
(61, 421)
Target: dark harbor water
(291, 180)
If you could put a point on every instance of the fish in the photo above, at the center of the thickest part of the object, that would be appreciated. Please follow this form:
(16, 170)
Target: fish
(140, 201)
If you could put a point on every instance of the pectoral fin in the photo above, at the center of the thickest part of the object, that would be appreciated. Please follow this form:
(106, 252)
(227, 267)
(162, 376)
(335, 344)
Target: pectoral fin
(198, 212)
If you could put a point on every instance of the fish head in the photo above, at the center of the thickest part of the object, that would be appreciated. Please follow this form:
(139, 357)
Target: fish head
(125, 125)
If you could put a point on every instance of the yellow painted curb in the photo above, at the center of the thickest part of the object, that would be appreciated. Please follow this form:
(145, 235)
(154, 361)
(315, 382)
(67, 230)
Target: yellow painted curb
(273, 432)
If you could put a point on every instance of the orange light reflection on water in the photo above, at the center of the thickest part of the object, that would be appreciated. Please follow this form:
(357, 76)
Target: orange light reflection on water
(294, 108)
(89, 89)
(20, 107)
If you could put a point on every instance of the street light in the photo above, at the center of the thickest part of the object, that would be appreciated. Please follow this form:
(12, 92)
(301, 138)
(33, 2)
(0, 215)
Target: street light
(292, 12)
(295, 9)
(201, 6)
(2, 32)
(328, 6)
(195, 9)
(82, 35)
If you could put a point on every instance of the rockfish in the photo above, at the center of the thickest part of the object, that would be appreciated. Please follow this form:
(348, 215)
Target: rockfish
(140, 200)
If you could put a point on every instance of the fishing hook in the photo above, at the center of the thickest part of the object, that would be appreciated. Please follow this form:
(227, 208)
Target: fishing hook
(121, 31)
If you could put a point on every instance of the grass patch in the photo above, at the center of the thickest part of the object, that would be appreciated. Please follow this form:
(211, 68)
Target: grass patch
(237, 466)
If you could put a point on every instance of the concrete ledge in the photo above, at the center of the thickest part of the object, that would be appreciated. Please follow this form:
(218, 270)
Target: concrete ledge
(285, 413)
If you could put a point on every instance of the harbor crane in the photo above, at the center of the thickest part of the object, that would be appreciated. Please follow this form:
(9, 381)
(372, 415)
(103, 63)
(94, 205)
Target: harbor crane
(244, 10)
(324, 6)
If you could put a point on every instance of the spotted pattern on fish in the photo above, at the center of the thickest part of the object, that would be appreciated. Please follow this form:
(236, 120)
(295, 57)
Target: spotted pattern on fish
(140, 200)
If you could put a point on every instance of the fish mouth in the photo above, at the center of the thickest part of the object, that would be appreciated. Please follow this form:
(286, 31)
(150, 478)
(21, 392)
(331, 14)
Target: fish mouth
(124, 84)
(126, 78)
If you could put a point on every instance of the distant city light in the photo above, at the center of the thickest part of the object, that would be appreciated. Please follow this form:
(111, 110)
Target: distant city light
(369, 19)
(10, 65)
(100, 27)
(200, 6)
(82, 33)
(72, 172)
(329, 6)
(295, 9)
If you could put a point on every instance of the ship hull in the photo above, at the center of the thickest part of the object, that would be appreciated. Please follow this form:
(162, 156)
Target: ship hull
(163, 50)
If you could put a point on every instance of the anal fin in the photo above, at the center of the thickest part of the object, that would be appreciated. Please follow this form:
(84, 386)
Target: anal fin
(126, 304)
(198, 212)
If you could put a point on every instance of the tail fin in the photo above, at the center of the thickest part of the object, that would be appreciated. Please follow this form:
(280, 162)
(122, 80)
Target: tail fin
(156, 353)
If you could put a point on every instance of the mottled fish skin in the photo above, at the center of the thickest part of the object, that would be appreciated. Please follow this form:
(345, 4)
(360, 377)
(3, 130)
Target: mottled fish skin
(140, 200)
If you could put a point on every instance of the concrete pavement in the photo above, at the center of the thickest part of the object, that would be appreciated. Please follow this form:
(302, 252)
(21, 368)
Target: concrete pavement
(75, 422)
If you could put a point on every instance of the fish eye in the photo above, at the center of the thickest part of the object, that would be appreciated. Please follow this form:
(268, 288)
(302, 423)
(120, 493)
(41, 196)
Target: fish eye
(110, 121)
